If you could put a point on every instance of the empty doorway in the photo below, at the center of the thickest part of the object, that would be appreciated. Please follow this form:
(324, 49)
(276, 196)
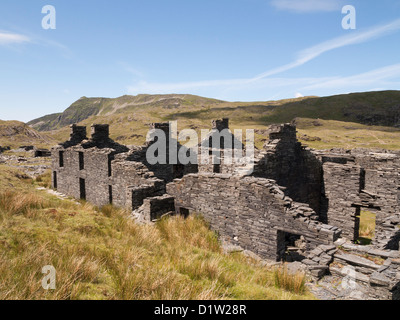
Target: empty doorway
(365, 226)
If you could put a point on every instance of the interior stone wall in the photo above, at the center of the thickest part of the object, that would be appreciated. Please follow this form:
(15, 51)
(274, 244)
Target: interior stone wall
(291, 165)
(341, 190)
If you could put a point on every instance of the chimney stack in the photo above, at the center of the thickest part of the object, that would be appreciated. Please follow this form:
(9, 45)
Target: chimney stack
(100, 132)
(220, 124)
(78, 133)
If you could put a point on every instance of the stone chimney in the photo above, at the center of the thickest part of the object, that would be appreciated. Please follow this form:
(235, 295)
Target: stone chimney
(78, 133)
(100, 132)
(283, 132)
(165, 127)
(220, 124)
(161, 126)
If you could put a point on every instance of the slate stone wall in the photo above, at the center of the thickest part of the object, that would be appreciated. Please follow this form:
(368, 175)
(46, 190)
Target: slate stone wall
(98, 170)
(382, 185)
(341, 191)
(378, 191)
(291, 165)
(95, 173)
(65, 177)
(132, 182)
(252, 212)
(153, 208)
(336, 184)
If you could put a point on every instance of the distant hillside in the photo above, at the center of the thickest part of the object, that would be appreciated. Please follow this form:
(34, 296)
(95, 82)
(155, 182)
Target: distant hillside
(87, 107)
(371, 108)
(46, 123)
(381, 108)
(15, 134)
(375, 114)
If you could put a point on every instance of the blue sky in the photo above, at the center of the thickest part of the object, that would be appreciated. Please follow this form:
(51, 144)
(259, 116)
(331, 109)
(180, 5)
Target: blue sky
(235, 50)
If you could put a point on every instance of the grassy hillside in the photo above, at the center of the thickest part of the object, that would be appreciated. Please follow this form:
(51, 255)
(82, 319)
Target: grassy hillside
(47, 122)
(368, 119)
(15, 134)
(101, 254)
(88, 107)
(318, 134)
(326, 134)
(369, 108)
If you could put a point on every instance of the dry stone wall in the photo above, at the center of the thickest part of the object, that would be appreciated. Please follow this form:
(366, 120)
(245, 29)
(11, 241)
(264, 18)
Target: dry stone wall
(379, 191)
(291, 165)
(132, 182)
(90, 182)
(341, 191)
(251, 212)
(382, 185)
(154, 208)
(100, 171)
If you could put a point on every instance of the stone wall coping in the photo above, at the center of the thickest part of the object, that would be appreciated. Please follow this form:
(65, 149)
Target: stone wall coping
(357, 260)
(370, 250)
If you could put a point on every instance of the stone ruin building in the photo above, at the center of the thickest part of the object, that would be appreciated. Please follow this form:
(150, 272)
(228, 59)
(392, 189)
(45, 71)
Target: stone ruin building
(295, 203)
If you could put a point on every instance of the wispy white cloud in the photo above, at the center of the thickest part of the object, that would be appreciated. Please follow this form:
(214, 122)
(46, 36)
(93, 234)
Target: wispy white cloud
(7, 38)
(264, 79)
(304, 6)
(128, 68)
(14, 38)
(311, 53)
(65, 51)
(228, 89)
(143, 86)
(373, 78)
(385, 78)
